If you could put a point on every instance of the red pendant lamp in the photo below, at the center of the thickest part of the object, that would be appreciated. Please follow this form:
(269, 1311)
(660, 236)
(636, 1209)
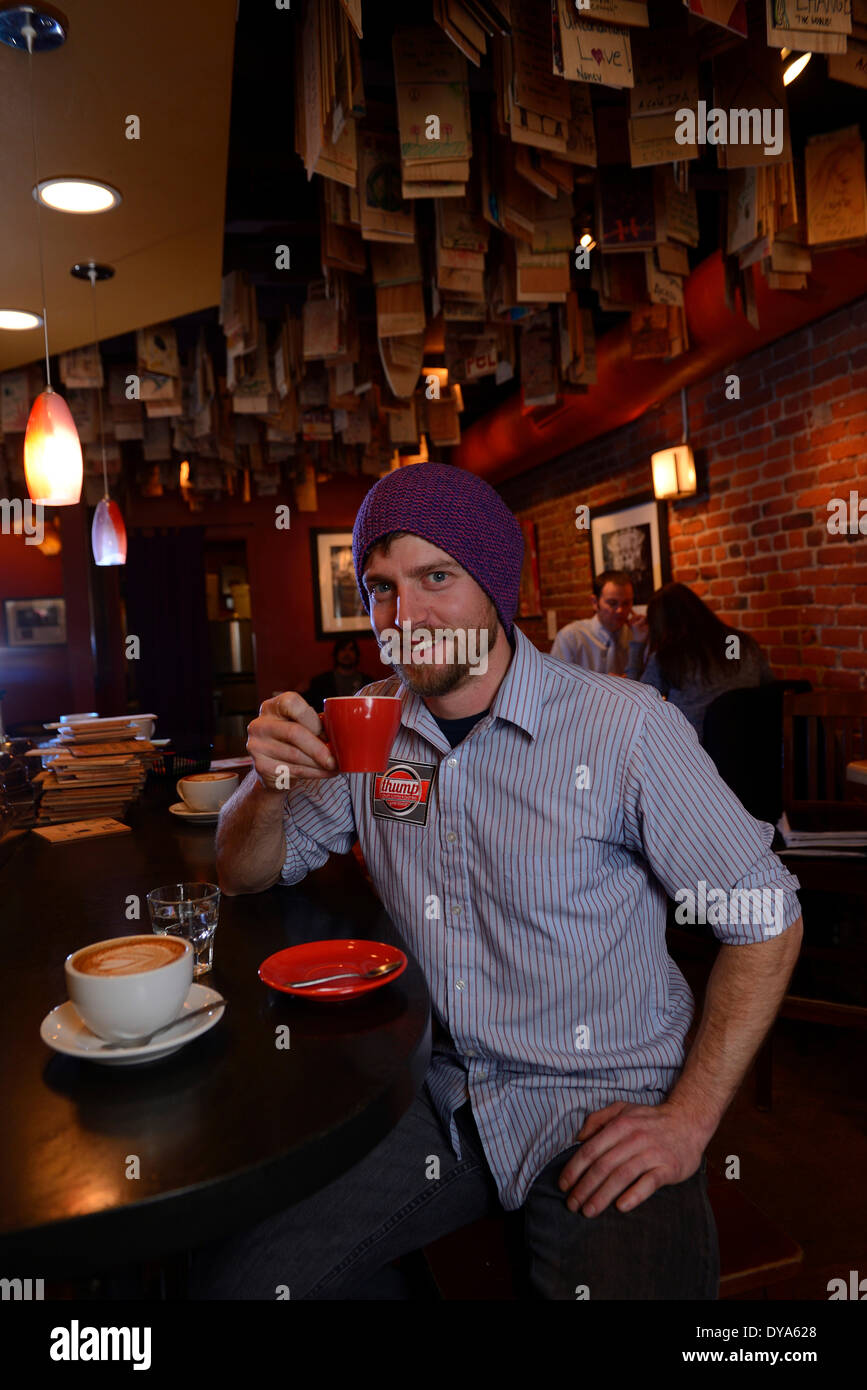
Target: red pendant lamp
(108, 533)
(52, 450)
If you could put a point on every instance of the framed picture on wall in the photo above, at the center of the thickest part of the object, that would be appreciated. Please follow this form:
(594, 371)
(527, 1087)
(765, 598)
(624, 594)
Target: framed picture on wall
(530, 599)
(633, 535)
(35, 622)
(337, 603)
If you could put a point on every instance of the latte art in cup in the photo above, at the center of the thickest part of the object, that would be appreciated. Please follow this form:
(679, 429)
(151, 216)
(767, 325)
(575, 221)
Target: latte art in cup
(127, 958)
(209, 776)
(207, 791)
(128, 986)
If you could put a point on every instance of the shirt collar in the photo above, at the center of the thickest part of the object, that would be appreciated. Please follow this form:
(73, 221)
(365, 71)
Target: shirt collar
(599, 631)
(518, 700)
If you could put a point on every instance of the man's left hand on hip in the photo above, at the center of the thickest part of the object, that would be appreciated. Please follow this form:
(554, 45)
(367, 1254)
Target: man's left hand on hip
(628, 1152)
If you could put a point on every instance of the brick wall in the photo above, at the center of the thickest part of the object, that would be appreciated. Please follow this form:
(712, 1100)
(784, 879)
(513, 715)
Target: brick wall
(755, 545)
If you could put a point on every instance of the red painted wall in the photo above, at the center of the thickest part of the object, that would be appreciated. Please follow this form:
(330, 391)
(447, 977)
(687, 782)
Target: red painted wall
(757, 550)
(288, 652)
(35, 679)
(44, 682)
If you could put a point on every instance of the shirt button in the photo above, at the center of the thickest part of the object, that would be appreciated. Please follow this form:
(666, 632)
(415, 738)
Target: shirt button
(456, 912)
(451, 837)
(452, 762)
(470, 1053)
(461, 984)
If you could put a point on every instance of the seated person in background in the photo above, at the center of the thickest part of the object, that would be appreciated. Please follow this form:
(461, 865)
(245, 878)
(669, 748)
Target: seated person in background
(605, 643)
(694, 656)
(344, 679)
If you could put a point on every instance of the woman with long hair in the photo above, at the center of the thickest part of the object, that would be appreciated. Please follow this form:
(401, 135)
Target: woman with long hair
(694, 656)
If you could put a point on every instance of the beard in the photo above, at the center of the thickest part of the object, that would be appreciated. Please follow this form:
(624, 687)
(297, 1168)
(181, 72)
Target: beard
(430, 678)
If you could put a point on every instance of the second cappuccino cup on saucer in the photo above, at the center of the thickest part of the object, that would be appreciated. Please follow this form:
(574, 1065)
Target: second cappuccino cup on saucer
(207, 791)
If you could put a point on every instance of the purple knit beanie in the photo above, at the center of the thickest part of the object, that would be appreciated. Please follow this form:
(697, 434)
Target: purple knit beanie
(455, 510)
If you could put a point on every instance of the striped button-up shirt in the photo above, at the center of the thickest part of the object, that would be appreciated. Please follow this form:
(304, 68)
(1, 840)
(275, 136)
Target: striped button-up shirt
(587, 643)
(534, 895)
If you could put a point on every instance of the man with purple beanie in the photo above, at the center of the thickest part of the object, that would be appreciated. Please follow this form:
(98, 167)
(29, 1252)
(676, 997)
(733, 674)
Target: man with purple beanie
(554, 812)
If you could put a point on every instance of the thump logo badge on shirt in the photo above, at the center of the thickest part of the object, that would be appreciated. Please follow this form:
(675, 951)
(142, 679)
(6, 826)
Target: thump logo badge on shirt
(402, 792)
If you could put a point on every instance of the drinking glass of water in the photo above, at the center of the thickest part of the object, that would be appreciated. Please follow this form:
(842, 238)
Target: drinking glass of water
(190, 910)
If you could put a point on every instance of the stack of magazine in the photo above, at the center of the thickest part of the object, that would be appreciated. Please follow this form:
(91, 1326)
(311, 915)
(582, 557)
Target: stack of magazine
(92, 768)
(824, 844)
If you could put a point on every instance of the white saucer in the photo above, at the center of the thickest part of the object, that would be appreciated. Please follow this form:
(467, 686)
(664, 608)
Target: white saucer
(202, 817)
(64, 1031)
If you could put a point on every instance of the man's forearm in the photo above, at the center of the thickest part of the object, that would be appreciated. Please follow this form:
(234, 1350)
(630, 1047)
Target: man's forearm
(744, 992)
(250, 845)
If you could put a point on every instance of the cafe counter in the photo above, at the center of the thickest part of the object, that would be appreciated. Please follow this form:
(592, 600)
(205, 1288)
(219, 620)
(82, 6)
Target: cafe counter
(104, 1165)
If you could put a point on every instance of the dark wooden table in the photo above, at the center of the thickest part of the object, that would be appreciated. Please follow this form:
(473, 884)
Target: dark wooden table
(229, 1129)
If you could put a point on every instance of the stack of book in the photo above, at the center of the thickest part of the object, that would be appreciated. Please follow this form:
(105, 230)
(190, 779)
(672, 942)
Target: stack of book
(95, 768)
(824, 844)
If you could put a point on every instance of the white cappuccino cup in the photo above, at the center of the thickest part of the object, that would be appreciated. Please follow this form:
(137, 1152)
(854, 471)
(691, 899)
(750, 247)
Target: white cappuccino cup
(127, 987)
(207, 791)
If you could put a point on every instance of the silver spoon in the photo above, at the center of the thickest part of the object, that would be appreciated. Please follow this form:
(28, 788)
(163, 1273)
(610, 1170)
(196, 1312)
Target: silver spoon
(182, 1018)
(376, 973)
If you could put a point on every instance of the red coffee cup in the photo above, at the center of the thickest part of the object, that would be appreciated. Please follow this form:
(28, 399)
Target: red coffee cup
(361, 730)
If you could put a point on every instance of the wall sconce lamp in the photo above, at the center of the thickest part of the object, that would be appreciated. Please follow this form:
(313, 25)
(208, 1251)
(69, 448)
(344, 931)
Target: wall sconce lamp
(674, 468)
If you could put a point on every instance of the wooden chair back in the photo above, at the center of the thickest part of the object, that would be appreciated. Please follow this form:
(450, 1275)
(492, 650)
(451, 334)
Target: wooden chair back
(822, 732)
(743, 733)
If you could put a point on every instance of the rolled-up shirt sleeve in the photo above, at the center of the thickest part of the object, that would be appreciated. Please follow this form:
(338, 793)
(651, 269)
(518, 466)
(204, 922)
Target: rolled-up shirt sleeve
(705, 848)
(317, 821)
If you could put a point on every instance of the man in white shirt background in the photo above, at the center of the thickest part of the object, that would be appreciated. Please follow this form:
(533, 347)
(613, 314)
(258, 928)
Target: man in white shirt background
(608, 642)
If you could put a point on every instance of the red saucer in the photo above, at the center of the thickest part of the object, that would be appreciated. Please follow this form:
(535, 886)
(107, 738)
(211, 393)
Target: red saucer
(317, 958)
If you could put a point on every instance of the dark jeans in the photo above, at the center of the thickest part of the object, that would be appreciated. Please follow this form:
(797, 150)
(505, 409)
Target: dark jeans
(385, 1207)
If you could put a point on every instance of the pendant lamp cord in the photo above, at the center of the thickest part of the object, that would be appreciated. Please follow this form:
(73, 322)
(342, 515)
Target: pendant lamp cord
(685, 415)
(92, 277)
(30, 33)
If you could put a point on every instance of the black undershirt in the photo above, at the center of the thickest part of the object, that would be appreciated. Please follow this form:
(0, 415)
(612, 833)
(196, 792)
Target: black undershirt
(457, 729)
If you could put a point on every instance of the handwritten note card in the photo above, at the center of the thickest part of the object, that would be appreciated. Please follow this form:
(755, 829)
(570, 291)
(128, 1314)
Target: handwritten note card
(850, 66)
(592, 52)
(536, 87)
(431, 78)
(814, 16)
(666, 74)
(836, 193)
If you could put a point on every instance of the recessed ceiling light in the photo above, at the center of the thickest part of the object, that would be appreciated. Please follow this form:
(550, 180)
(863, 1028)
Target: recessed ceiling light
(76, 195)
(19, 318)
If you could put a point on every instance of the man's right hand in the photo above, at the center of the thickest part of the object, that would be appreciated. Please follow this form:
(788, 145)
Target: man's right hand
(287, 737)
(639, 625)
